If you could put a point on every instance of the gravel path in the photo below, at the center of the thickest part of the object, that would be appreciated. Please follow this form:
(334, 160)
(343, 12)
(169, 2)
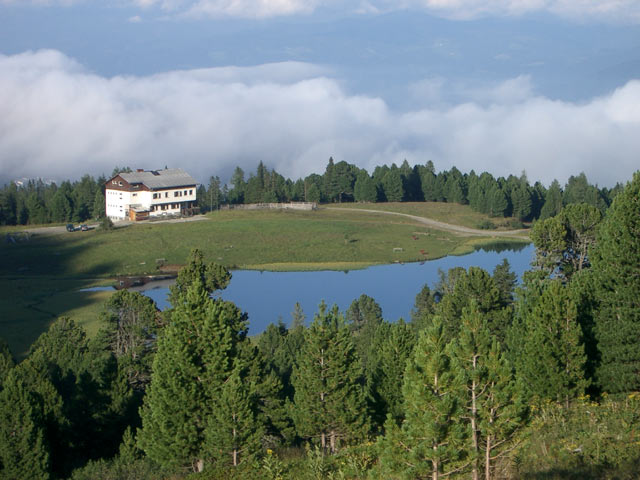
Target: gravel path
(63, 229)
(447, 226)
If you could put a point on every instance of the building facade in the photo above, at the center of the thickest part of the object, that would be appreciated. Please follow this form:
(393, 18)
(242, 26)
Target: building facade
(142, 194)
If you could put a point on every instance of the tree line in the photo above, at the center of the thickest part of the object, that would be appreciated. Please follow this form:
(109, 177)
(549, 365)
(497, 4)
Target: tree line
(37, 202)
(343, 182)
(488, 378)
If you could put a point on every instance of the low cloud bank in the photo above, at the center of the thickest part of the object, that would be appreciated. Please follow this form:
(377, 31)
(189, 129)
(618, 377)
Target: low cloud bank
(60, 121)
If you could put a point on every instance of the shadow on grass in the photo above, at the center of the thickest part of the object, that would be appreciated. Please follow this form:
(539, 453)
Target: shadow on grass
(39, 281)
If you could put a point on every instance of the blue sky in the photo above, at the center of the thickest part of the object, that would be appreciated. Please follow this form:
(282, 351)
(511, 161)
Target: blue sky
(551, 87)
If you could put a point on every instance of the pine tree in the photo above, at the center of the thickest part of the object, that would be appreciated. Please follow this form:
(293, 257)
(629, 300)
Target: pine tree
(395, 342)
(432, 429)
(233, 433)
(551, 360)
(364, 317)
(131, 326)
(475, 285)
(74, 382)
(563, 242)
(497, 203)
(505, 280)
(212, 276)
(493, 401)
(195, 356)
(616, 265)
(392, 186)
(552, 202)
(6, 361)
(329, 402)
(423, 309)
(364, 189)
(24, 453)
(99, 206)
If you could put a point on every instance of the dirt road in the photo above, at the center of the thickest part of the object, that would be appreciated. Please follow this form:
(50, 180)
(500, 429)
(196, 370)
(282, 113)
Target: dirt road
(447, 226)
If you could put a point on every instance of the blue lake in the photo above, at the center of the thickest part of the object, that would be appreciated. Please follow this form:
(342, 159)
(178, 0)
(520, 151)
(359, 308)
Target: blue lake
(268, 296)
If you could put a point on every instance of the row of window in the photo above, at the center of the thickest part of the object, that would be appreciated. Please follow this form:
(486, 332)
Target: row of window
(177, 193)
(165, 206)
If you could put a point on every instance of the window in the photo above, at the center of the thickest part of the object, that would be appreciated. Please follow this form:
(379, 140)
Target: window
(190, 192)
(166, 194)
(175, 194)
(185, 192)
(135, 194)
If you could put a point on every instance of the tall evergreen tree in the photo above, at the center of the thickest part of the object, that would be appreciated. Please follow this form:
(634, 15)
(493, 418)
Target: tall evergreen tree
(563, 242)
(364, 189)
(99, 206)
(329, 403)
(473, 286)
(131, 324)
(551, 360)
(432, 433)
(195, 357)
(616, 265)
(505, 280)
(423, 308)
(233, 433)
(24, 453)
(552, 202)
(392, 186)
(493, 401)
(395, 344)
(211, 275)
(6, 361)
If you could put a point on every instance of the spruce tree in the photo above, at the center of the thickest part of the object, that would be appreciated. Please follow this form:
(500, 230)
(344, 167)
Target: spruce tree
(329, 403)
(616, 265)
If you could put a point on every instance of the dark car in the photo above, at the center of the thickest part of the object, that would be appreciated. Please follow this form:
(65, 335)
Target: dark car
(70, 227)
(84, 228)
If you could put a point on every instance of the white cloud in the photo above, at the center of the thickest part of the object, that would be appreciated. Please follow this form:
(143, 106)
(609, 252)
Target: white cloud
(59, 120)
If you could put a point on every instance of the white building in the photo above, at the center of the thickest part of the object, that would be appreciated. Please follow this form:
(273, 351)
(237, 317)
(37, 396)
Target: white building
(142, 194)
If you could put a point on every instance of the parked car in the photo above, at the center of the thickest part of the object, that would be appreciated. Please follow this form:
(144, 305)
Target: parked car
(84, 228)
(70, 227)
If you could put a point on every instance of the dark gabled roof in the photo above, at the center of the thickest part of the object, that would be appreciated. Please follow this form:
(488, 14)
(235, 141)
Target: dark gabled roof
(155, 179)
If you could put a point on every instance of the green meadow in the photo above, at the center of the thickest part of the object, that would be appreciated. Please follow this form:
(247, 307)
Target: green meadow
(40, 277)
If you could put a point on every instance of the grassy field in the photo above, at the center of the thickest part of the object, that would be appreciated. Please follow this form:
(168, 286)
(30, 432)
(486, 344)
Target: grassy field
(40, 277)
(453, 213)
